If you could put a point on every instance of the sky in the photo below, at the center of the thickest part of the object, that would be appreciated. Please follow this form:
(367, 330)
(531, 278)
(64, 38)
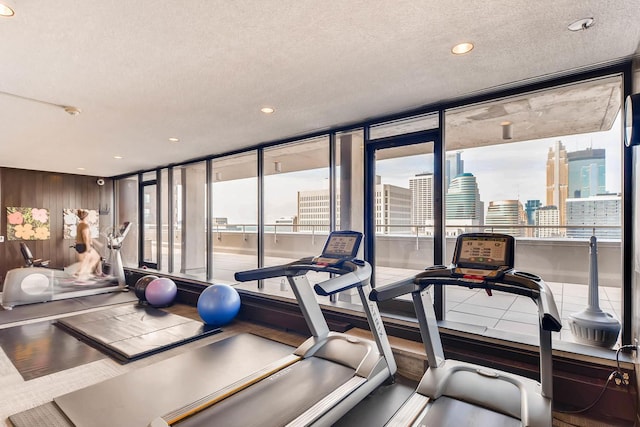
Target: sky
(516, 170)
(505, 171)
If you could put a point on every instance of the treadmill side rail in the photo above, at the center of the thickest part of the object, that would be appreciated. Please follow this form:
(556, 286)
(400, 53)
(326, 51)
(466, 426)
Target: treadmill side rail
(313, 413)
(408, 412)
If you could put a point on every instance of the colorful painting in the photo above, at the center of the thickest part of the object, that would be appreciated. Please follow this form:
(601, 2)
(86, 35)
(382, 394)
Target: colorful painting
(71, 220)
(27, 224)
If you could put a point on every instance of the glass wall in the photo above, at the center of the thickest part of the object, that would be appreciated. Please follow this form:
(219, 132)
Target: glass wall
(234, 219)
(296, 201)
(150, 218)
(189, 220)
(404, 211)
(165, 246)
(403, 193)
(544, 167)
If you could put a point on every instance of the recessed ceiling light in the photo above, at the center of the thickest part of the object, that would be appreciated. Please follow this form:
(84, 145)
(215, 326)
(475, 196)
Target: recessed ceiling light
(174, 139)
(81, 169)
(267, 110)
(72, 111)
(581, 24)
(117, 157)
(462, 48)
(6, 10)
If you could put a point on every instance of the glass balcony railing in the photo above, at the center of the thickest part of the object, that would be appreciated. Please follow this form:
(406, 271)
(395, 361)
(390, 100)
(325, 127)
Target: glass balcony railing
(561, 261)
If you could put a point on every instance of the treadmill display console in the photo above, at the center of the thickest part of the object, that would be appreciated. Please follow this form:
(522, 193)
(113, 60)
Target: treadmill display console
(483, 254)
(340, 246)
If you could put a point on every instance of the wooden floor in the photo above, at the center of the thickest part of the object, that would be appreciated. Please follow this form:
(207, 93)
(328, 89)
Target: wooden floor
(18, 394)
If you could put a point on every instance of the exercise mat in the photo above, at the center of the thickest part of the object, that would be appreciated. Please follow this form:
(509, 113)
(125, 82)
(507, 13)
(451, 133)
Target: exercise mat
(133, 331)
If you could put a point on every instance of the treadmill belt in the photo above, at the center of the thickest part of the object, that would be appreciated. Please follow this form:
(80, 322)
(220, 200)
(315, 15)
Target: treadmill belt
(276, 400)
(137, 397)
(131, 332)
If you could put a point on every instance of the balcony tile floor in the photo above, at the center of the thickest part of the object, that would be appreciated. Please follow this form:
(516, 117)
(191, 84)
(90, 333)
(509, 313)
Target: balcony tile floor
(502, 312)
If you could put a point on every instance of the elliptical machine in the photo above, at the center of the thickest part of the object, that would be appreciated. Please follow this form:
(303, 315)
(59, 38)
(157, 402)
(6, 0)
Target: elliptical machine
(114, 243)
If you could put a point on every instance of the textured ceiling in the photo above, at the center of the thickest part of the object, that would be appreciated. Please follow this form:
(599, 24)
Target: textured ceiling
(144, 71)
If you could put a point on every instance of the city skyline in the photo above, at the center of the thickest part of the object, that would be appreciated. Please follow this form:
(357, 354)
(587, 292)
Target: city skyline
(523, 163)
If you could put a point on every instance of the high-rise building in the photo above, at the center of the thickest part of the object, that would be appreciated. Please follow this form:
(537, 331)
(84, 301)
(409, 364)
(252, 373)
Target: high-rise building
(545, 217)
(454, 166)
(506, 216)
(530, 208)
(463, 204)
(392, 209)
(421, 187)
(557, 179)
(313, 210)
(591, 212)
(587, 173)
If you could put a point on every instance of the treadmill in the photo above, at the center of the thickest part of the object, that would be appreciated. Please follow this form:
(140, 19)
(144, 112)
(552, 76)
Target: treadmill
(325, 376)
(455, 393)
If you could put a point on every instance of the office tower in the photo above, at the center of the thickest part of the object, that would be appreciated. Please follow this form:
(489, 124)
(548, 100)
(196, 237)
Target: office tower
(557, 179)
(530, 208)
(547, 216)
(392, 209)
(505, 216)
(586, 173)
(463, 204)
(313, 210)
(454, 166)
(421, 187)
(586, 213)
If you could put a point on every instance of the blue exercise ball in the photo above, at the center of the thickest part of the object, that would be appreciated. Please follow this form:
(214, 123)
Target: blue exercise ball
(161, 292)
(218, 304)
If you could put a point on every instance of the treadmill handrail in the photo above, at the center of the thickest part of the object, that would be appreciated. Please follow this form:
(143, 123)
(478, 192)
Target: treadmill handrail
(295, 268)
(394, 290)
(512, 281)
(359, 276)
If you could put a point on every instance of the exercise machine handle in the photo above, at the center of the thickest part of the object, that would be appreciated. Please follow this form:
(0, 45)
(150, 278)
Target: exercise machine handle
(547, 309)
(393, 290)
(514, 282)
(359, 276)
(269, 272)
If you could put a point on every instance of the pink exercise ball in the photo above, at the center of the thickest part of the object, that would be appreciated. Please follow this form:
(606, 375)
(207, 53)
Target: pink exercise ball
(161, 292)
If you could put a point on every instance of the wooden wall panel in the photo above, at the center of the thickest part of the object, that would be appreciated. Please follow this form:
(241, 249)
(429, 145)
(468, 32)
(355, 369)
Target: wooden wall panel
(55, 192)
